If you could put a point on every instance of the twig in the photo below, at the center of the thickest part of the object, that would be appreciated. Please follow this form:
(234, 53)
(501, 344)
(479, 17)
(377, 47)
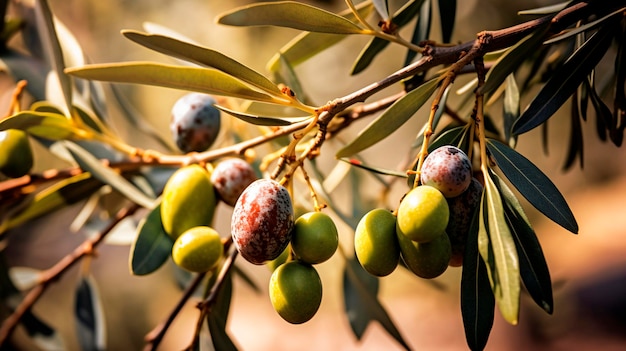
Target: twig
(56, 271)
(155, 336)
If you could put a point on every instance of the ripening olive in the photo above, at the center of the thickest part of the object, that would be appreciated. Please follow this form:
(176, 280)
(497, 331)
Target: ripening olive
(426, 260)
(314, 238)
(188, 200)
(448, 169)
(16, 156)
(195, 122)
(375, 242)
(423, 214)
(198, 249)
(262, 221)
(462, 210)
(295, 290)
(231, 177)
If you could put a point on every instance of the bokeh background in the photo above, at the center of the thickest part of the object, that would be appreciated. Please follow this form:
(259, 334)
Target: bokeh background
(588, 270)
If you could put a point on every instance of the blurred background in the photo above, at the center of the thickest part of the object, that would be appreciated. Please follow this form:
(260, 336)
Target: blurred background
(588, 270)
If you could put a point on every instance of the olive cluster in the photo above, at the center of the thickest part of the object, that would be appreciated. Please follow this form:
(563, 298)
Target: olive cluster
(429, 230)
(188, 204)
(265, 232)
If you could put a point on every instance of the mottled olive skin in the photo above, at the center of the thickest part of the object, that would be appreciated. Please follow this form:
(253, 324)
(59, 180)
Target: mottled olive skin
(375, 243)
(262, 221)
(16, 156)
(423, 214)
(195, 122)
(231, 177)
(462, 210)
(198, 249)
(188, 200)
(295, 290)
(426, 260)
(448, 169)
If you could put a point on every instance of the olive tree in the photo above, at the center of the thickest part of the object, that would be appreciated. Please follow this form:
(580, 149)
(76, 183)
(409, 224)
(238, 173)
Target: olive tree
(270, 162)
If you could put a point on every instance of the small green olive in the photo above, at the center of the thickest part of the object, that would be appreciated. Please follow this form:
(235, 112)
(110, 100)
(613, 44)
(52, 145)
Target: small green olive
(375, 242)
(426, 260)
(16, 156)
(314, 238)
(188, 200)
(198, 249)
(423, 214)
(295, 291)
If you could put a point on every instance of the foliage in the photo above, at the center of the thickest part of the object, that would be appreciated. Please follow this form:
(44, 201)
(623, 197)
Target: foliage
(558, 50)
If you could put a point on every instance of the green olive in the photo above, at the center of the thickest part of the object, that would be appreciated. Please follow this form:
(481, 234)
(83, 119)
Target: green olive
(16, 156)
(295, 291)
(198, 249)
(426, 260)
(314, 238)
(375, 242)
(423, 214)
(188, 200)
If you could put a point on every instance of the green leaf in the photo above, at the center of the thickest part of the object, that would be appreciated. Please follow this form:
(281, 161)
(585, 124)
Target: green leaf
(290, 14)
(512, 59)
(198, 79)
(402, 17)
(53, 51)
(89, 163)
(447, 15)
(535, 186)
(390, 120)
(362, 306)
(477, 300)
(545, 9)
(46, 125)
(218, 317)
(153, 245)
(421, 31)
(308, 44)
(533, 267)
(575, 147)
(367, 55)
(89, 314)
(564, 81)
(263, 120)
(583, 28)
(359, 164)
(511, 105)
(501, 254)
(203, 56)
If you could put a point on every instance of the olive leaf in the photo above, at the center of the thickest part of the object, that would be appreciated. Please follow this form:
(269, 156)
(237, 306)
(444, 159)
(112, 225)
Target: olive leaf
(263, 120)
(401, 18)
(545, 9)
(535, 186)
(533, 267)
(198, 79)
(382, 7)
(447, 16)
(153, 245)
(203, 56)
(360, 290)
(52, 49)
(218, 316)
(46, 125)
(477, 300)
(308, 44)
(89, 315)
(107, 175)
(421, 30)
(497, 248)
(390, 120)
(510, 105)
(289, 14)
(564, 81)
(359, 164)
